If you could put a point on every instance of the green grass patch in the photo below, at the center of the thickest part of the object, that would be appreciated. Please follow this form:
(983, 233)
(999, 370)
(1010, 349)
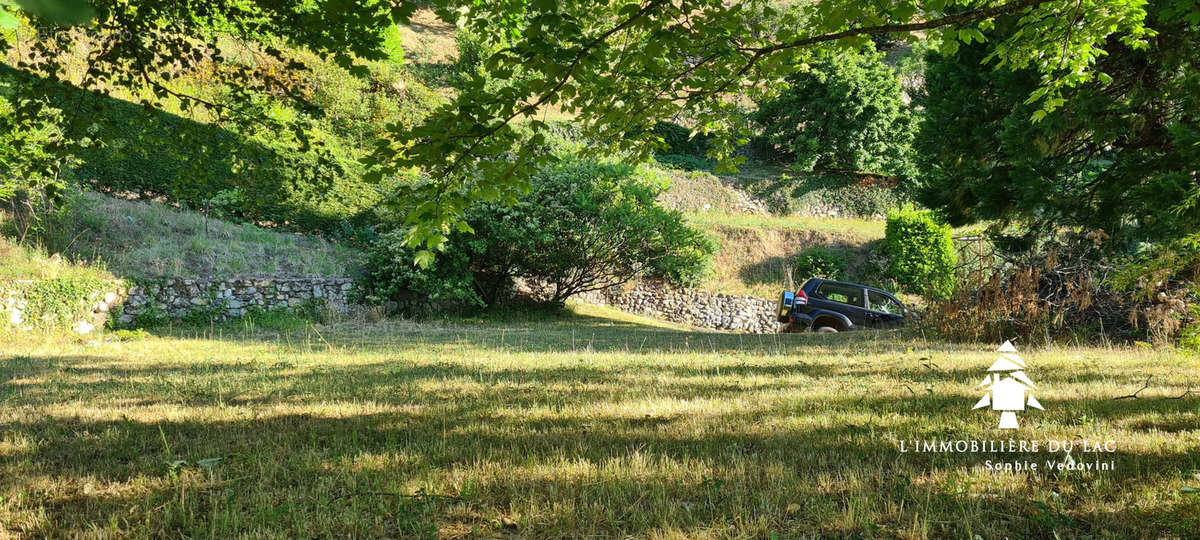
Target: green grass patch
(572, 425)
(866, 229)
(26, 262)
(148, 239)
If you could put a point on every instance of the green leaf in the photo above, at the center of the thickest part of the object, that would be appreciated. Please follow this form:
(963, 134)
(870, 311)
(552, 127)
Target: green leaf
(423, 258)
(61, 12)
(7, 20)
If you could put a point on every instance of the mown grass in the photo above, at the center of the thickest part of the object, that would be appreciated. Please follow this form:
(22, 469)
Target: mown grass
(571, 426)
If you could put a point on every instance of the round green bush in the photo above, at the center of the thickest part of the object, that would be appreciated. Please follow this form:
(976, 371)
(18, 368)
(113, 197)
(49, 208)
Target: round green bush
(922, 252)
(585, 225)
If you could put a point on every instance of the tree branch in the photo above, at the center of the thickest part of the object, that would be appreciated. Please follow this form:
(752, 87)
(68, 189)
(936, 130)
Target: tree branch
(949, 20)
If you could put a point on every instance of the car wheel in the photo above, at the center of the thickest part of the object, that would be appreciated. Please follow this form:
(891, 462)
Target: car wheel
(826, 330)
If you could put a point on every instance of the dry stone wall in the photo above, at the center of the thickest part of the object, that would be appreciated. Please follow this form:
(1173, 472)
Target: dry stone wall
(176, 298)
(154, 300)
(696, 308)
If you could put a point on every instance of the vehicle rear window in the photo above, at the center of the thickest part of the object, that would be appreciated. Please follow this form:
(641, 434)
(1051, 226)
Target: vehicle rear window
(837, 292)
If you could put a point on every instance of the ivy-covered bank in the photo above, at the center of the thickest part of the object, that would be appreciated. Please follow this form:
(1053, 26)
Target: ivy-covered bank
(80, 303)
(84, 304)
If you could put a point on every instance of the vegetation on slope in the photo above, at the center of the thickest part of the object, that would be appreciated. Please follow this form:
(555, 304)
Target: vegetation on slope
(20, 261)
(142, 239)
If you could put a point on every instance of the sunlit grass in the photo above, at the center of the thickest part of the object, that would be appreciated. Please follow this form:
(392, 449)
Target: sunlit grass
(22, 261)
(139, 239)
(865, 229)
(578, 425)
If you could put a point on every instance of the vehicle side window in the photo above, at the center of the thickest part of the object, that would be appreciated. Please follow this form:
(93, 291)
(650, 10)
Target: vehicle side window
(882, 302)
(841, 293)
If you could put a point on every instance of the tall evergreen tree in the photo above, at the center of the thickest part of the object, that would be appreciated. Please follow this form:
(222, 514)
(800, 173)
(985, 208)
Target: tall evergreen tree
(1121, 153)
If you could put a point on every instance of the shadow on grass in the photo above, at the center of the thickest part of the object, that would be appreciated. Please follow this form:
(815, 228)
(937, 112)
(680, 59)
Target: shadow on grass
(562, 476)
(560, 331)
(575, 447)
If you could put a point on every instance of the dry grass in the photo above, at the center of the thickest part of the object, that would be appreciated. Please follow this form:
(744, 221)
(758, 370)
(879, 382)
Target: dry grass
(133, 238)
(429, 39)
(575, 426)
(863, 229)
(752, 260)
(19, 261)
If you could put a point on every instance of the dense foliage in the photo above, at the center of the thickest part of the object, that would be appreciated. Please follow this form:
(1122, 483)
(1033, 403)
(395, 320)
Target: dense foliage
(584, 226)
(841, 112)
(680, 141)
(618, 66)
(154, 53)
(921, 251)
(1118, 154)
(196, 160)
(392, 276)
(1166, 282)
(819, 262)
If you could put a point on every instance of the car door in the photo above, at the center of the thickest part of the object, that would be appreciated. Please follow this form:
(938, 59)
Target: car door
(884, 310)
(844, 298)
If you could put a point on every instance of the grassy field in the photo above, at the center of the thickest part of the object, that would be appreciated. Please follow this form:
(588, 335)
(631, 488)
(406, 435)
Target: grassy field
(573, 425)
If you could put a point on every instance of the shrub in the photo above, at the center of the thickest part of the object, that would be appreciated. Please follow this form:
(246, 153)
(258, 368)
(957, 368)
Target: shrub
(392, 274)
(684, 162)
(585, 225)
(1166, 283)
(588, 225)
(820, 262)
(841, 112)
(680, 141)
(1059, 288)
(922, 252)
(1189, 336)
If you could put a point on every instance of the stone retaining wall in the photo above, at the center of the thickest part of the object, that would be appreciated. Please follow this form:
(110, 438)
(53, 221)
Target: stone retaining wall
(700, 309)
(176, 298)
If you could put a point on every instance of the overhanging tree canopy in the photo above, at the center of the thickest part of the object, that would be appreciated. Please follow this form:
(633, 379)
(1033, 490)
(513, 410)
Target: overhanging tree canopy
(618, 66)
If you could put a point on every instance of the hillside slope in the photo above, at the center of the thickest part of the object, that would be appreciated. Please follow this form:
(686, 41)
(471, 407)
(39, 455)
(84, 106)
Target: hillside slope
(150, 239)
(755, 248)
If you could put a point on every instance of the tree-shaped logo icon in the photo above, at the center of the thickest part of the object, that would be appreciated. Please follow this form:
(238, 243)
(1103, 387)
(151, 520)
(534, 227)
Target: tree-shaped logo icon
(1007, 387)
